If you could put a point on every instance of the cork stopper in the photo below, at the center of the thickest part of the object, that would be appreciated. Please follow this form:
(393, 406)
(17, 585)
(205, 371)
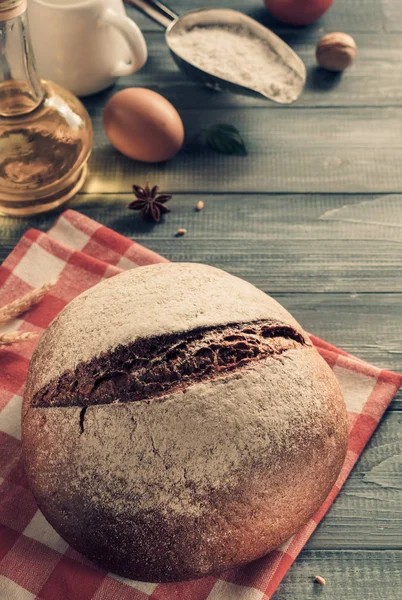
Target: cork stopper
(9, 9)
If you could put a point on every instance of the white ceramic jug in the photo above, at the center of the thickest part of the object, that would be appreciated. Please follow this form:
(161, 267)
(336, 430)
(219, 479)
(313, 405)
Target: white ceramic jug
(84, 45)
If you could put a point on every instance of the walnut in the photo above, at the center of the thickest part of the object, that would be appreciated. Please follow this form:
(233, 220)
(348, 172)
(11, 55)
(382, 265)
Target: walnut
(336, 51)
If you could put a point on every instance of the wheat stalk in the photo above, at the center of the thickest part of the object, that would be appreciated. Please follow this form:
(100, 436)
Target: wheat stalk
(7, 339)
(21, 305)
(16, 308)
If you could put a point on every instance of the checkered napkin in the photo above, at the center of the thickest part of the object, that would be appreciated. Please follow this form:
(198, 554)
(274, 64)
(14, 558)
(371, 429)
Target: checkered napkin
(35, 562)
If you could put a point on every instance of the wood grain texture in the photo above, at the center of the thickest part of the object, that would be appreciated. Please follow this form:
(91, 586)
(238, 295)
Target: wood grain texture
(350, 575)
(368, 513)
(373, 80)
(366, 15)
(290, 150)
(393, 15)
(281, 243)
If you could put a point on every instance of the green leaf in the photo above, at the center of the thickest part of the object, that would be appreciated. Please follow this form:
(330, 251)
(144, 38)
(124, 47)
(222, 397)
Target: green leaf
(225, 139)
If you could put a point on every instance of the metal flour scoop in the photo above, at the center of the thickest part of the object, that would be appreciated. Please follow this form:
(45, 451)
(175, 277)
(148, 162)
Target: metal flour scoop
(286, 89)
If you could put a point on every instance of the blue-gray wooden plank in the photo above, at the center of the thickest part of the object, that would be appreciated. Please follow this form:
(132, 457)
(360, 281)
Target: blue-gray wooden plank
(373, 79)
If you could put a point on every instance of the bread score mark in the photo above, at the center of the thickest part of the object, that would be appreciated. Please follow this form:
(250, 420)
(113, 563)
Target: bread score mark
(152, 367)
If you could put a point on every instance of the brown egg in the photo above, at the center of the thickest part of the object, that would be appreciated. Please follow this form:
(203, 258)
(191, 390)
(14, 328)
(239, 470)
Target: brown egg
(143, 125)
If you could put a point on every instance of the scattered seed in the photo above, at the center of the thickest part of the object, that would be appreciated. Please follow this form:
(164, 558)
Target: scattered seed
(200, 205)
(320, 580)
(181, 232)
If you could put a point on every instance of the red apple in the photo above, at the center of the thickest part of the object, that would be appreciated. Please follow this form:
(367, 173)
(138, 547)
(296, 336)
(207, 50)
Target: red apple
(298, 12)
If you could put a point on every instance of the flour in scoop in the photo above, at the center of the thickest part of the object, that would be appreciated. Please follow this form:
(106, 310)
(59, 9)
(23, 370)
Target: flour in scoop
(238, 55)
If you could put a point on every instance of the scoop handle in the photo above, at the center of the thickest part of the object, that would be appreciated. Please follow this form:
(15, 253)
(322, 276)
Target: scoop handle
(156, 10)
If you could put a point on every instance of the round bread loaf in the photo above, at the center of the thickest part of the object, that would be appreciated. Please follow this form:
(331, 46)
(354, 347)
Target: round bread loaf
(178, 422)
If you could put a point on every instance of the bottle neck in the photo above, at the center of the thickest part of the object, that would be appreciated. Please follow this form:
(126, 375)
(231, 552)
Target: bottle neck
(20, 87)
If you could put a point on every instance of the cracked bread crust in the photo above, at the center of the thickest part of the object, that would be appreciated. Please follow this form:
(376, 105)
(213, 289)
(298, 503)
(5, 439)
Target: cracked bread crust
(149, 368)
(151, 301)
(202, 476)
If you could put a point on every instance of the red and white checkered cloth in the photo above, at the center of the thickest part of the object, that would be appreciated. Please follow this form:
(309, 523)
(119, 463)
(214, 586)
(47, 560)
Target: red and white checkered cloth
(35, 562)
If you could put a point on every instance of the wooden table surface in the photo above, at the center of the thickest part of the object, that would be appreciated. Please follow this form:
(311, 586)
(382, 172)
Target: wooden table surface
(313, 216)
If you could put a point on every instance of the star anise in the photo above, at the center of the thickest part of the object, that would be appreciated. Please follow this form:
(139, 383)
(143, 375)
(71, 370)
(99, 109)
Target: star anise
(149, 202)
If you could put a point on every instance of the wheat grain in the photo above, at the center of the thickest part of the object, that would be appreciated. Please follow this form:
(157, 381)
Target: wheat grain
(21, 305)
(7, 339)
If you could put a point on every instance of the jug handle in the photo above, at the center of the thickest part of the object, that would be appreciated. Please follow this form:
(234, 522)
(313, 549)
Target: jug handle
(134, 38)
(156, 10)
